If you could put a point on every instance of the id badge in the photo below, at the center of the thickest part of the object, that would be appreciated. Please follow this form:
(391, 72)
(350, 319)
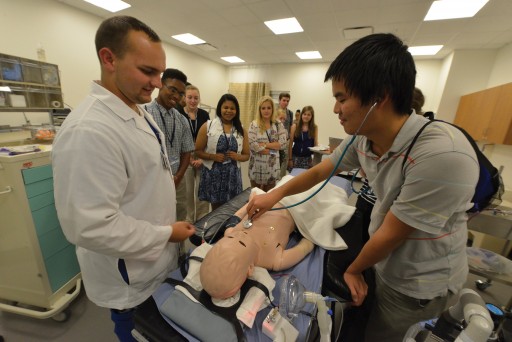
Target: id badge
(165, 161)
(174, 160)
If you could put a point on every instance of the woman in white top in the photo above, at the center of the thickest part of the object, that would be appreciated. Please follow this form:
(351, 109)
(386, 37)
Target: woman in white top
(266, 137)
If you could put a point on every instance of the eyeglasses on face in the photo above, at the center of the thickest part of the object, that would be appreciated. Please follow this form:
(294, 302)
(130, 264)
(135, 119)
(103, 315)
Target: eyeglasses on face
(174, 90)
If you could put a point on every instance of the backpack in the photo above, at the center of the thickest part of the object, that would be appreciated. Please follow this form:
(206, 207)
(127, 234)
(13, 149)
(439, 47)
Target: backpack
(490, 184)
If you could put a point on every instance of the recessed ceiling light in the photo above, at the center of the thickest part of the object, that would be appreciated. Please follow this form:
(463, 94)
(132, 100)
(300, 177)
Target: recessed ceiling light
(233, 59)
(283, 26)
(189, 39)
(309, 55)
(451, 9)
(110, 5)
(426, 50)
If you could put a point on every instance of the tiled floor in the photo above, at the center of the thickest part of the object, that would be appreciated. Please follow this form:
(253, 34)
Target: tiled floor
(91, 323)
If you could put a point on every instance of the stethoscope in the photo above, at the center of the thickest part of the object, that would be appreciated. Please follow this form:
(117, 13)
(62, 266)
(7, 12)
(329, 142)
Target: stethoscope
(247, 223)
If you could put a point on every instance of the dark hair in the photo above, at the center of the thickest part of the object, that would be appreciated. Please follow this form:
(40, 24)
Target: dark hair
(283, 95)
(418, 100)
(312, 127)
(236, 120)
(174, 74)
(375, 66)
(113, 33)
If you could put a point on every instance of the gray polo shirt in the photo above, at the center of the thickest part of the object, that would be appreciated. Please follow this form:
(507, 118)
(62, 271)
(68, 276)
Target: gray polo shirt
(440, 178)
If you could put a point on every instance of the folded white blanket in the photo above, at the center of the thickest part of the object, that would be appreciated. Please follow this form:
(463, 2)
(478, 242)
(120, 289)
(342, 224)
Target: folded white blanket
(317, 218)
(254, 300)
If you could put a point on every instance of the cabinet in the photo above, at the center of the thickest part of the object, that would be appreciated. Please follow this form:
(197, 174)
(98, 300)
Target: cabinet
(32, 85)
(487, 115)
(38, 266)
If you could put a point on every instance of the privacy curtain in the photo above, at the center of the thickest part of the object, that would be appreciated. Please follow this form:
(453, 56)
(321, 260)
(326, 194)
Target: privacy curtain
(248, 95)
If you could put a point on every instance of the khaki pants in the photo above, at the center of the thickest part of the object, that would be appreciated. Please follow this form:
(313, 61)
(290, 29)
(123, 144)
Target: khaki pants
(195, 208)
(393, 313)
(181, 201)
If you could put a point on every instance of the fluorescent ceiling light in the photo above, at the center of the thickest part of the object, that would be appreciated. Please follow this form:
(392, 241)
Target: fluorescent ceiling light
(426, 50)
(110, 5)
(233, 59)
(5, 89)
(189, 39)
(451, 9)
(309, 55)
(283, 26)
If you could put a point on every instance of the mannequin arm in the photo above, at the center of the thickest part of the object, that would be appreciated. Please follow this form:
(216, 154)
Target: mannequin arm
(285, 259)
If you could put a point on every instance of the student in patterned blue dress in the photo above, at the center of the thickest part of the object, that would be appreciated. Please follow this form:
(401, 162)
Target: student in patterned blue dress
(222, 143)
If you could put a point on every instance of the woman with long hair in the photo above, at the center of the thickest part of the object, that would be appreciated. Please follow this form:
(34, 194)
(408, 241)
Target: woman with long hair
(266, 137)
(222, 144)
(304, 135)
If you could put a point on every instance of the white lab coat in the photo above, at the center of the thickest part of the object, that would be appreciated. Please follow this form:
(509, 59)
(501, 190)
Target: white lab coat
(114, 199)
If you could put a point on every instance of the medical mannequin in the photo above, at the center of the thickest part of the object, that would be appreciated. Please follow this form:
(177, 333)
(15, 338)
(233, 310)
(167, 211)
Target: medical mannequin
(232, 259)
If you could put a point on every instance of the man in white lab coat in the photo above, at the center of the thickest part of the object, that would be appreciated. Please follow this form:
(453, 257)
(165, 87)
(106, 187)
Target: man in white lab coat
(114, 192)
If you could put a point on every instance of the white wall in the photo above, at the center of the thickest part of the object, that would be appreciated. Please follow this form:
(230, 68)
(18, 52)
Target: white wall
(67, 36)
(306, 85)
(502, 68)
(469, 72)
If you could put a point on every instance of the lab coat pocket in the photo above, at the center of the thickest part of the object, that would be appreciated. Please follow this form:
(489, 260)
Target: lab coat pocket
(141, 273)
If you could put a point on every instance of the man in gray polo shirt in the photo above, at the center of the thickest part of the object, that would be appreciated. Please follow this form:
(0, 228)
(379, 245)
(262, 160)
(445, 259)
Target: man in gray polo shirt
(418, 228)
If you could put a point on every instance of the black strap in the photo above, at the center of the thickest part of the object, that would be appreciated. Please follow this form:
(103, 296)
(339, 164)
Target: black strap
(184, 264)
(413, 142)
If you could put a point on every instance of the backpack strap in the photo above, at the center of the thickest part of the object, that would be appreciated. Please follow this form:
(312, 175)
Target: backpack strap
(412, 144)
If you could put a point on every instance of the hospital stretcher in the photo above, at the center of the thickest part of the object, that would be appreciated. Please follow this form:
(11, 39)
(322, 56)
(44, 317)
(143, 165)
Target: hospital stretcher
(319, 272)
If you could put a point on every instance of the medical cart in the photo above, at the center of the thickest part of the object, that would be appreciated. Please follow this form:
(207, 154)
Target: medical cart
(39, 272)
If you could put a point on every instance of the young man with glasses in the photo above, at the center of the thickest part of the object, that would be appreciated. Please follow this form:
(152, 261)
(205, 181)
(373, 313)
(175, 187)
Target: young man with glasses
(178, 138)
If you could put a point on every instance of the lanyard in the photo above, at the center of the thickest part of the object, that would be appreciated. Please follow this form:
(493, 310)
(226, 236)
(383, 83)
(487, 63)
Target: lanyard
(193, 127)
(165, 126)
(268, 136)
(230, 136)
(165, 161)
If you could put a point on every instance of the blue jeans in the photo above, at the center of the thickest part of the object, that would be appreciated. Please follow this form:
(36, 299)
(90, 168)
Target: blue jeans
(123, 324)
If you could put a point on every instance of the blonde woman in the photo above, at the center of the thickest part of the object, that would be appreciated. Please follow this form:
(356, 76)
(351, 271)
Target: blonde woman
(304, 135)
(196, 118)
(266, 137)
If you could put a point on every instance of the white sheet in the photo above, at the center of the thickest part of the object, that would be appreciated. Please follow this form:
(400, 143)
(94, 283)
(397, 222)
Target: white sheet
(317, 218)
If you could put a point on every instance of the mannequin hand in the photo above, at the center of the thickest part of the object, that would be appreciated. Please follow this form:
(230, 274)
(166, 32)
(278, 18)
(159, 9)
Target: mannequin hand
(181, 230)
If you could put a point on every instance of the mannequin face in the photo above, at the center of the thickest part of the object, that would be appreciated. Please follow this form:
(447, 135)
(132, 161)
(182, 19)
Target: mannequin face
(228, 264)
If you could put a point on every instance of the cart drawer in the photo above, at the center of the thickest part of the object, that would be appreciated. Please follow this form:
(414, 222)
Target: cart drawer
(36, 174)
(61, 267)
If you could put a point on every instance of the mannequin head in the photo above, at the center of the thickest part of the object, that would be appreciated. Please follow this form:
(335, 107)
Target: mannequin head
(228, 264)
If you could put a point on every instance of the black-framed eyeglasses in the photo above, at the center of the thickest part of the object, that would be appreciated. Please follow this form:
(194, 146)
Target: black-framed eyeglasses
(174, 90)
